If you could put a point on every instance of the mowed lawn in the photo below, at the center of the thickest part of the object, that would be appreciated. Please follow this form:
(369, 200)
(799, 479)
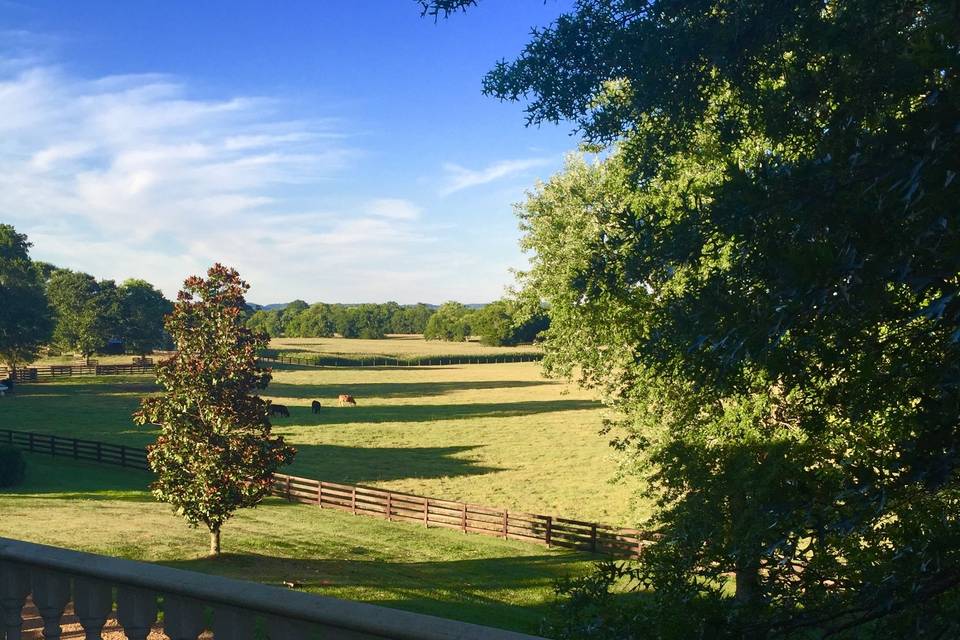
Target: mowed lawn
(492, 434)
(472, 578)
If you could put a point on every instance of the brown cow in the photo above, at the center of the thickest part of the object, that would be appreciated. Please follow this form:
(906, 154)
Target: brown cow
(343, 399)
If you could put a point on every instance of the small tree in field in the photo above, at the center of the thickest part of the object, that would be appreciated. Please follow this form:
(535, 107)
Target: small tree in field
(215, 452)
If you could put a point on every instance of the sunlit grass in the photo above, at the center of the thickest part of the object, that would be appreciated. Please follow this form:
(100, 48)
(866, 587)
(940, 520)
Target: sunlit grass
(498, 435)
(440, 572)
(393, 345)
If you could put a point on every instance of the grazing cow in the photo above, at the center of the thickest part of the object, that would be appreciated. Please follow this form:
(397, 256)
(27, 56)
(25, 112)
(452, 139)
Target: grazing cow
(279, 410)
(315, 406)
(343, 399)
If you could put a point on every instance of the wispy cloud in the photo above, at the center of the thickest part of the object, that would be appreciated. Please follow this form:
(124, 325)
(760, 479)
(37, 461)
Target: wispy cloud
(395, 208)
(458, 178)
(133, 176)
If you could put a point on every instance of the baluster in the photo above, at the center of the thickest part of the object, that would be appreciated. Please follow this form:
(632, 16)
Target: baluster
(14, 587)
(92, 602)
(182, 618)
(51, 592)
(136, 611)
(231, 623)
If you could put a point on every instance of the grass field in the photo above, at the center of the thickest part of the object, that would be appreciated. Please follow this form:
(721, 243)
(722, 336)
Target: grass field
(496, 434)
(435, 571)
(393, 345)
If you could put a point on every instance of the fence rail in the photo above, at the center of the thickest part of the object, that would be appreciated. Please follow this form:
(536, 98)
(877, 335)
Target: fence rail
(89, 450)
(42, 374)
(551, 531)
(463, 516)
(395, 361)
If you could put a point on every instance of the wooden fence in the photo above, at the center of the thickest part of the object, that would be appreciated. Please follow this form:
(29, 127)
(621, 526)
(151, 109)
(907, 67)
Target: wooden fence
(42, 374)
(395, 361)
(463, 516)
(90, 450)
(551, 531)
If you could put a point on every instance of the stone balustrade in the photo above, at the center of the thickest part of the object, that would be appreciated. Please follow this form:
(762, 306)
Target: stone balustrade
(192, 603)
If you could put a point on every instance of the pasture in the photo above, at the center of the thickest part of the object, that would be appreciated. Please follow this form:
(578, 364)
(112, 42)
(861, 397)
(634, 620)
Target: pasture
(439, 572)
(400, 345)
(496, 434)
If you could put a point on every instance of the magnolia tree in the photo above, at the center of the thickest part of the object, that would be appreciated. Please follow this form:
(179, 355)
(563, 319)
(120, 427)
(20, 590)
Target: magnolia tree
(215, 452)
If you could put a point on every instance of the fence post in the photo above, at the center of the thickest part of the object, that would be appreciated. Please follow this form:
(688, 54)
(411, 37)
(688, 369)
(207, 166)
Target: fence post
(353, 500)
(426, 512)
(506, 518)
(320, 493)
(288, 489)
(463, 517)
(389, 506)
(549, 529)
(593, 537)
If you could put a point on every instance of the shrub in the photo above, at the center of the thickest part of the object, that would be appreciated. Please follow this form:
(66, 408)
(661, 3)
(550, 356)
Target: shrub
(13, 466)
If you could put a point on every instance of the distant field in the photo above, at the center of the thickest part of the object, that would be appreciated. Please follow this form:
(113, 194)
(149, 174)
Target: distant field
(435, 571)
(393, 345)
(496, 434)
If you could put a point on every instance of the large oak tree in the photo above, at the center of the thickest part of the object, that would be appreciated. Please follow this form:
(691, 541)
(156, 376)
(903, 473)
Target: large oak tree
(763, 278)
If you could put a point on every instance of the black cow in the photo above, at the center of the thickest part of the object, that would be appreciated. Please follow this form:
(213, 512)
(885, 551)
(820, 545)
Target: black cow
(315, 406)
(279, 410)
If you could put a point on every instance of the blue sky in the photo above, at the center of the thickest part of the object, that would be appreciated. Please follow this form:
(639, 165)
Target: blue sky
(336, 151)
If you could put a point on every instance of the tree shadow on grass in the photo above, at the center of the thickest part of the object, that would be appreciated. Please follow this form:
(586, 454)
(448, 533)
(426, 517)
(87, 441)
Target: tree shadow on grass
(394, 389)
(473, 590)
(87, 386)
(330, 416)
(62, 478)
(360, 465)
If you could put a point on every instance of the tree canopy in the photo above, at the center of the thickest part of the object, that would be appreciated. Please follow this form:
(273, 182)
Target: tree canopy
(142, 312)
(762, 276)
(87, 311)
(26, 319)
(450, 322)
(506, 323)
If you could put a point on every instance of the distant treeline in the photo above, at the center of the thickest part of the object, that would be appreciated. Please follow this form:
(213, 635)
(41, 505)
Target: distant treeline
(504, 322)
(321, 320)
(46, 308)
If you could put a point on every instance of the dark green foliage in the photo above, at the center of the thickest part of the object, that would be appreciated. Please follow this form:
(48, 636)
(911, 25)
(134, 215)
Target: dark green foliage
(13, 466)
(451, 322)
(763, 278)
(215, 452)
(88, 311)
(506, 322)
(26, 319)
(142, 310)
(321, 320)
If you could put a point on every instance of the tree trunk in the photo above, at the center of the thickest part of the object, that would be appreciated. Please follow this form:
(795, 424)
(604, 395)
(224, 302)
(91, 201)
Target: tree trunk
(747, 582)
(215, 541)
